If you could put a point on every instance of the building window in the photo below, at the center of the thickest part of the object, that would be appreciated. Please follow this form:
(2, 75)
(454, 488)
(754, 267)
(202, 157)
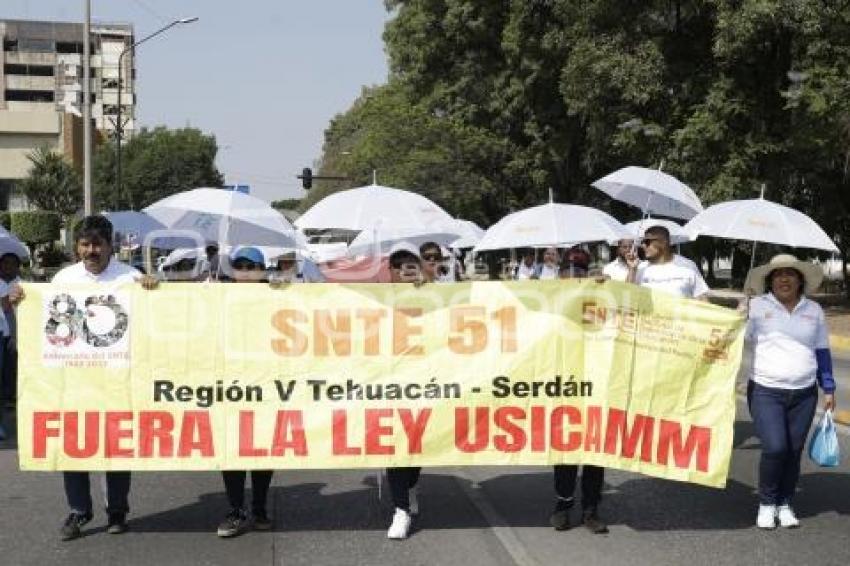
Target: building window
(70, 47)
(28, 70)
(110, 83)
(10, 45)
(30, 95)
(36, 45)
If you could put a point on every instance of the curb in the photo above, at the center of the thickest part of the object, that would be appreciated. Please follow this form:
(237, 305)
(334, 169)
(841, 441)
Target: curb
(840, 416)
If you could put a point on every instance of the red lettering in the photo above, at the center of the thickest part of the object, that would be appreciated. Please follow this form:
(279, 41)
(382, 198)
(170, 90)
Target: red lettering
(156, 427)
(617, 430)
(246, 437)
(538, 429)
(557, 423)
(41, 432)
(482, 429)
(340, 435)
(593, 430)
(414, 428)
(699, 441)
(514, 438)
(71, 435)
(286, 423)
(115, 434)
(375, 430)
(196, 435)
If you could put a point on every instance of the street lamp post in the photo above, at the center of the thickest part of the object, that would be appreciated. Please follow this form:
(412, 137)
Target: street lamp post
(119, 126)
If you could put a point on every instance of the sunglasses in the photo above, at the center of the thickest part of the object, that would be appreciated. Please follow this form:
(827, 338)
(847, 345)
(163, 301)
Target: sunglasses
(245, 266)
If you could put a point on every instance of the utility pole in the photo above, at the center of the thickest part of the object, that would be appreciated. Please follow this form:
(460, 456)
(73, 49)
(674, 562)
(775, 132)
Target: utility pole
(87, 197)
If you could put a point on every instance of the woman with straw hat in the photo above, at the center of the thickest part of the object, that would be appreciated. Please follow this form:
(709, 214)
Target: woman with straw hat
(790, 344)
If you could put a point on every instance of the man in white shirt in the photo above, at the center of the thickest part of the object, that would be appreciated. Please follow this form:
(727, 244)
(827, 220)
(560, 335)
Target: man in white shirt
(93, 246)
(527, 267)
(665, 271)
(618, 270)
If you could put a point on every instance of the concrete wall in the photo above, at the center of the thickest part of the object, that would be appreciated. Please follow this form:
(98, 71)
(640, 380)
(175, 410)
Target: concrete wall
(20, 132)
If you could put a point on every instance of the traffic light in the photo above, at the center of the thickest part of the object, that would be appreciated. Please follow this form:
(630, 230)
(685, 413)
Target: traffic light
(306, 178)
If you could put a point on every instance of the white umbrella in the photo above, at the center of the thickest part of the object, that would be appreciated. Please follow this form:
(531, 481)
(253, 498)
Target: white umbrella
(760, 220)
(230, 218)
(9, 244)
(651, 190)
(470, 234)
(380, 241)
(365, 207)
(550, 225)
(677, 231)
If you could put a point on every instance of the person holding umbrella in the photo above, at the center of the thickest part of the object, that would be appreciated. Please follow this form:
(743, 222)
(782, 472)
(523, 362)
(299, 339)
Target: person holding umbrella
(663, 270)
(576, 265)
(618, 269)
(789, 339)
(248, 265)
(406, 267)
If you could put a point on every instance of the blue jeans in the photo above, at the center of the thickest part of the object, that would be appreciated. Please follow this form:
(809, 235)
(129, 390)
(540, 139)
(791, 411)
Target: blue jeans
(78, 491)
(782, 419)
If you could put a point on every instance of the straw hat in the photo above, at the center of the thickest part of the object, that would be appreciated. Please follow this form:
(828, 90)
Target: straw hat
(812, 274)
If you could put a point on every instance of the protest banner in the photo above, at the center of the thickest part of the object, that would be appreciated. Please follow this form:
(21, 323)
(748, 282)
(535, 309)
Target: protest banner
(245, 376)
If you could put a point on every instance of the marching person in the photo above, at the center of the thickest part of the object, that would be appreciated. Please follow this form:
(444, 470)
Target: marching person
(248, 265)
(551, 267)
(406, 267)
(93, 247)
(663, 270)
(576, 265)
(618, 269)
(10, 269)
(290, 268)
(527, 267)
(789, 339)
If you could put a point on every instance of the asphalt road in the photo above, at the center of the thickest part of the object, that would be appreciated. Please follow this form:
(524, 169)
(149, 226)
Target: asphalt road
(470, 516)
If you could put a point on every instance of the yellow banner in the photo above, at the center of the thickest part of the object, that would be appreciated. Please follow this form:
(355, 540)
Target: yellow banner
(199, 376)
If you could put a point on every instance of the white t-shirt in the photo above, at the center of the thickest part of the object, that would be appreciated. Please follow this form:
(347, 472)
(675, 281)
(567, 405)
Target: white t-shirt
(678, 276)
(549, 272)
(524, 272)
(115, 272)
(784, 343)
(617, 270)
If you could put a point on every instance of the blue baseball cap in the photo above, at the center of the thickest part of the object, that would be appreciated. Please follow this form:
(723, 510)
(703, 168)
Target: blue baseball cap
(250, 253)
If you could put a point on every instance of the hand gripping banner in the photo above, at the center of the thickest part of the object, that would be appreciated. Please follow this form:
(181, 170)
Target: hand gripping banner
(245, 376)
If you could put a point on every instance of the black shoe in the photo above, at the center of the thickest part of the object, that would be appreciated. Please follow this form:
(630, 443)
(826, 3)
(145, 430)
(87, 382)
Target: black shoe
(262, 521)
(117, 523)
(560, 517)
(234, 524)
(590, 519)
(71, 527)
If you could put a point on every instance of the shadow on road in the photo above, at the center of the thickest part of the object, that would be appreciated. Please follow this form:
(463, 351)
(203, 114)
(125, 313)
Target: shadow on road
(521, 500)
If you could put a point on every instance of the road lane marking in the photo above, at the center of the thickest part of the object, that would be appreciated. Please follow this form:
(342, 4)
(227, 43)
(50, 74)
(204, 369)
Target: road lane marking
(506, 535)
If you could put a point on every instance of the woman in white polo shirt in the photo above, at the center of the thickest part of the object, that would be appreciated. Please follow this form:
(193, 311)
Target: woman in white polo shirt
(790, 343)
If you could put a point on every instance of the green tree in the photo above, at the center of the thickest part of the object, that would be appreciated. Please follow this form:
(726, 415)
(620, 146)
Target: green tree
(413, 148)
(155, 164)
(286, 204)
(53, 184)
(36, 227)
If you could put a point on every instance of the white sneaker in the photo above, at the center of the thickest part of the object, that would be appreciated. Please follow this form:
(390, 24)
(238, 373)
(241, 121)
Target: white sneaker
(414, 500)
(767, 517)
(401, 525)
(787, 518)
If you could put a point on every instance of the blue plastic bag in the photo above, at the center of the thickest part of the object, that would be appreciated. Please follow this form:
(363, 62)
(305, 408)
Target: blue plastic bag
(823, 447)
